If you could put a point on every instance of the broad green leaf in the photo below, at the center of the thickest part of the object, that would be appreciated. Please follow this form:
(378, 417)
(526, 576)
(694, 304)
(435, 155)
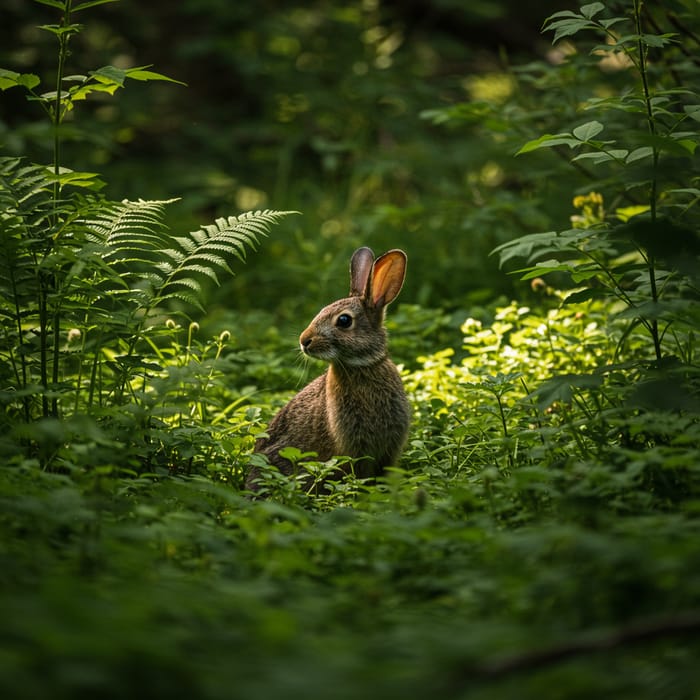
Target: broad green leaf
(657, 41)
(582, 273)
(607, 23)
(546, 267)
(523, 247)
(676, 144)
(548, 141)
(693, 111)
(81, 93)
(689, 145)
(75, 178)
(640, 153)
(28, 80)
(589, 11)
(568, 27)
(10, 79)
(626, 213)
(685, 190)
(563, 14)
(582, 295)
(111, 74)
(141, 74)
(587, 131)
(616, 154)
(561, 388)
(624, 103)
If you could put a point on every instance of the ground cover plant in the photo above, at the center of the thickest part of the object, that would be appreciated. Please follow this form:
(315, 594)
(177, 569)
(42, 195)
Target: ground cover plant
(539, 538)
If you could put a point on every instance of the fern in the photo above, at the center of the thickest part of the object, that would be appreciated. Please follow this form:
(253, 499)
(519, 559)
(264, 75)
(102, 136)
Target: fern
(173, 266)
(154, 267)
(29, 225)
(100, 268)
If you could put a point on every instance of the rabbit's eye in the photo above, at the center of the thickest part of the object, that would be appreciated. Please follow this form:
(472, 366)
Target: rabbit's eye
(344, 321)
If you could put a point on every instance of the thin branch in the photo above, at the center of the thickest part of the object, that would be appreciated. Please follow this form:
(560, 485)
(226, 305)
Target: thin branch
(650, 630)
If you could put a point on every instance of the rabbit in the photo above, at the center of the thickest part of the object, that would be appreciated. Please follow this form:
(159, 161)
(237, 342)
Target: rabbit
(358, 407)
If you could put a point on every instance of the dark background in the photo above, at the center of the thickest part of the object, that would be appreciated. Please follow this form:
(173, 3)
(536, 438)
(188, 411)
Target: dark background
(318, 107)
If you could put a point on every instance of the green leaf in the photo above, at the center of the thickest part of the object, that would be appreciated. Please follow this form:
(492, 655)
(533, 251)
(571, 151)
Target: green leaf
(562, 388)
(9, 78)
(693, 111)
(640, 153)
(589, 11)
(109, 74)
(607, 23)
(587, 131)
(617, 154)
(59, 30)
(657, 41)
(77, 179)
(689, 145)
(568, 27)
(546, 267)
(90, 3)
(583, 295)
(53, 3)
(81, 93)
(549, 141)
(142, 74)
(626, 213)
(28, 80)
(669, 144)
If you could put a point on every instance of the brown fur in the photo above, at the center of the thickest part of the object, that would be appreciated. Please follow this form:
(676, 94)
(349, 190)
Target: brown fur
(358, 406)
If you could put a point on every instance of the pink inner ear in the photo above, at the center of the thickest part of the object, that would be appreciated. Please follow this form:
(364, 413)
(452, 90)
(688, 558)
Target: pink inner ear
(387, 277)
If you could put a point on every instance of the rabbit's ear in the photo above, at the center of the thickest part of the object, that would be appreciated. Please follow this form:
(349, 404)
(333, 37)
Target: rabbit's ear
(360, 269)
(388, 273)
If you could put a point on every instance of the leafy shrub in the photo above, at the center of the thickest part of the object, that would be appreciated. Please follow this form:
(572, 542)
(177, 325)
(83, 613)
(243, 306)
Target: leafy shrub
(87, 287)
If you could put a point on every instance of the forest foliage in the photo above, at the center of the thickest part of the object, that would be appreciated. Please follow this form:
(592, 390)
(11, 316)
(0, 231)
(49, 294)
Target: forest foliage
(539, 536)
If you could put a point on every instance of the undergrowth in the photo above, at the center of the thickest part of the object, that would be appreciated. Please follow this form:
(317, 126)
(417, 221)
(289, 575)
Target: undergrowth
(538, 538)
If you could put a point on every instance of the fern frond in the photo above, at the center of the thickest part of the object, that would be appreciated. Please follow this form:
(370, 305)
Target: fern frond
(188, 282)
(25, 203)
(155, 262)
(204, 270)
(130, 226)
(207, 251)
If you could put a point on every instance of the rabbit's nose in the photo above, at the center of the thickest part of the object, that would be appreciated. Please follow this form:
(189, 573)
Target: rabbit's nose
(305, 341)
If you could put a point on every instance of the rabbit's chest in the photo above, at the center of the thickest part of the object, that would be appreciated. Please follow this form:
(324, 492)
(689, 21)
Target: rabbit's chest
(359, 417)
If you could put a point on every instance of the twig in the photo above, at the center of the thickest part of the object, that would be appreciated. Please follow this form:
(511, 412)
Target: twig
(687, 623)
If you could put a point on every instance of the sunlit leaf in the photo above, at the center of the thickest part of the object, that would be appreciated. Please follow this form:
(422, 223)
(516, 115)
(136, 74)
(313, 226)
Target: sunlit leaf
(587, 131)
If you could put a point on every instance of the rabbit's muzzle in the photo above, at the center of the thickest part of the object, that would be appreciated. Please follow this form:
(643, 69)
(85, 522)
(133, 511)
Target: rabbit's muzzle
(315, 345)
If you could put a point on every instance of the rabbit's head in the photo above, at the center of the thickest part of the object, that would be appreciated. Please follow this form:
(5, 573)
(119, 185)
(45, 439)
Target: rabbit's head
(350, 332)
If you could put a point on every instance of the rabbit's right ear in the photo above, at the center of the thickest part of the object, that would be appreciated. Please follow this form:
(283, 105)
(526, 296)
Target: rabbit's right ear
(388, 274)
(360, 269)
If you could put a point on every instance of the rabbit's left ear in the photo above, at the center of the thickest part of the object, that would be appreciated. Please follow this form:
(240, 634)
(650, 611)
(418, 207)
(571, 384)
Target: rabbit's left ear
(360, 269)
(388, 274)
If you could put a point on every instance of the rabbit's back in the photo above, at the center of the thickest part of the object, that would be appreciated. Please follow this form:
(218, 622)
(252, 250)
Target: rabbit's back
(302, 423)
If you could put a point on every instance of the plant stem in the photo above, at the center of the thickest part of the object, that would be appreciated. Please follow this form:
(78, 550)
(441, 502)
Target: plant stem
(49, 283)
(653, 324)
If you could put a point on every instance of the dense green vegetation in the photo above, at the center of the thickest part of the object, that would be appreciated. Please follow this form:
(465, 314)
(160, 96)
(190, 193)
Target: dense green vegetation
(539, 537)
